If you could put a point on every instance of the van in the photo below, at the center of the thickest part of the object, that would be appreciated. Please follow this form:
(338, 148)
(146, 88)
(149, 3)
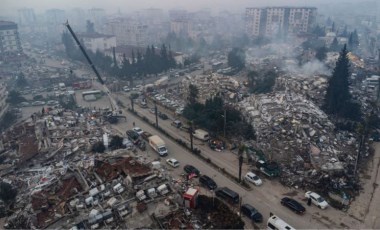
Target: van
(228, 195)
(176, 123)
(201, 135)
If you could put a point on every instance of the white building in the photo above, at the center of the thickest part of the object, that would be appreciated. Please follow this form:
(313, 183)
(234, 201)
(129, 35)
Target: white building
(3, 98)
(26, 17)
(128, 32)
(270, 21)
(181, 27)
(99, 42)
(9, 39)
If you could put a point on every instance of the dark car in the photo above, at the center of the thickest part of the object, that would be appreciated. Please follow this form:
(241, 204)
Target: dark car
(208, 182)
(228, 195)
(252, 213)
(191, 169)
(217, 145)
(163, 116)
(133, 136)
(293, 205)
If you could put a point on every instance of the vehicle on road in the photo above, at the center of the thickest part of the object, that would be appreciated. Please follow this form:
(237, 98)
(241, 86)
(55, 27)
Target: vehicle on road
(152, 110)
(293, 205)
(145, 135)
(176, 123)
(216, 144)
(191, 169)
(207, 182)
(201, 135)
(228, 195)
(36, 103)
(163, 116)
(133, 136)
(253, 178)
(252, 213)
(172, 162)
(317, 200)
(158, 145)
(276, 223)
(138, 130)
(24, 104)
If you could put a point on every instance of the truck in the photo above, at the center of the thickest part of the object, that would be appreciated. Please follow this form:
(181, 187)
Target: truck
(201, 135)
(158, 145)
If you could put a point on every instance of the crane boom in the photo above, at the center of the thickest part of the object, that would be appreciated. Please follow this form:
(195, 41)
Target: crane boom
(112, 100)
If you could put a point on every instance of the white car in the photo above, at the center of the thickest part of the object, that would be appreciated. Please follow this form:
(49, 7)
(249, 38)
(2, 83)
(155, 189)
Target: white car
(317, 199)
(253, 178)
(172, 162)
(138, 130)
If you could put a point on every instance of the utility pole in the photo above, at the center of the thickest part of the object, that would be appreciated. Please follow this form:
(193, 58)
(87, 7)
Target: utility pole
(240, 200)
(191, 136)
(224, 126)
(132, 104)
(241, 150)
(155, 112)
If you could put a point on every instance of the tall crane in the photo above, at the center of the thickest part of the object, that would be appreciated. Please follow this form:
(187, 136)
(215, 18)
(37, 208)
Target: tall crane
(114, 106)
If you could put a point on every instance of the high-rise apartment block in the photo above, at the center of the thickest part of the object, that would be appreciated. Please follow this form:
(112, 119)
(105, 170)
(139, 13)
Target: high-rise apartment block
(9, 39)
(270, 21)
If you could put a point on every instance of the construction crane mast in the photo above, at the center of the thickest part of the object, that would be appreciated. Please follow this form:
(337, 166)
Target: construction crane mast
(113, 103)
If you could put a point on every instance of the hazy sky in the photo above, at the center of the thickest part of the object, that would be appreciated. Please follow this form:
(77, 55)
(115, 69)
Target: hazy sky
(111, 6)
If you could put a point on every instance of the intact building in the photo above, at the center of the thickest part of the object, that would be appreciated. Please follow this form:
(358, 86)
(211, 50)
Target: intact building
(272, 21)
(128, 32)
(97, 41)
(10, 44)
(26, 17)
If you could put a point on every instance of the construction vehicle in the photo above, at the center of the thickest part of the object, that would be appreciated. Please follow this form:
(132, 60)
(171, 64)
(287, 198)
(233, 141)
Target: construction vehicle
(114, 106)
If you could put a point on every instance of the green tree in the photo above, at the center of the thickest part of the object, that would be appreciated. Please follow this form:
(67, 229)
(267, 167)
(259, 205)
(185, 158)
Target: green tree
(7, 192)
(193, 94)
(338, 98)
(335, 47)
(236, 58)
(321, 53)
(90, 27)
(14, 98)
(21, 81)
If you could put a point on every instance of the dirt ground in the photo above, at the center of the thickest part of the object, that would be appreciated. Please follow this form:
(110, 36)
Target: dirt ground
(366, 207)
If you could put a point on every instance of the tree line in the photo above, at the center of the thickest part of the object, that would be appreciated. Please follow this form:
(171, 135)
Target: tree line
(210, 116)
(141, 64)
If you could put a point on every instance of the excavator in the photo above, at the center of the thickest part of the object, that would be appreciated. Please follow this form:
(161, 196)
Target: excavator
(115, 110)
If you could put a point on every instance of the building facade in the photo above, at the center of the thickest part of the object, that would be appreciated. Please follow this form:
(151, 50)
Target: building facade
(272, 21)
(128, 32)
(3, 98)
(98, 42)
(10, 44)
(26, 17)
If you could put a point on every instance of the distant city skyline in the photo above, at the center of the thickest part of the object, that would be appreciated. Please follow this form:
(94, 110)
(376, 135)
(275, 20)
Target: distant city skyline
(9, 7)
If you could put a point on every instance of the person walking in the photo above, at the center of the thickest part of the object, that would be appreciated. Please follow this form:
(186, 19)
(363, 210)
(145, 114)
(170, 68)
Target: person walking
(309, 201)
(133, 124)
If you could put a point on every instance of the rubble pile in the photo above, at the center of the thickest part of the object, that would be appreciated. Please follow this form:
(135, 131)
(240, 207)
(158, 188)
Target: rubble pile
(211, 85)
(294, 131)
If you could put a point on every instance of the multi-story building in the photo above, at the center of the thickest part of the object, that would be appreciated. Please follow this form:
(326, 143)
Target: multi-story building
(271, 21)
(128, 32)
(3, 98)
(97, 41)
(26, 17)
(181, 27)
(98, 17)
(55, 19)
(10, 44)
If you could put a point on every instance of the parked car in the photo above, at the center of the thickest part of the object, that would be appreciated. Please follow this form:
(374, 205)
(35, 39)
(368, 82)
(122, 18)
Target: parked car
(172, 162)
(293, 205)
(163, 116)
(317, 200)
(138, 130)
(145, 135)
(176, 123)
(217, 145)
(191, 169)
(36, 103)
(133, 136)
(253, 178)
(228, 195)
(207, 182)
(252, 213)
(24, 104)
(151, 110)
